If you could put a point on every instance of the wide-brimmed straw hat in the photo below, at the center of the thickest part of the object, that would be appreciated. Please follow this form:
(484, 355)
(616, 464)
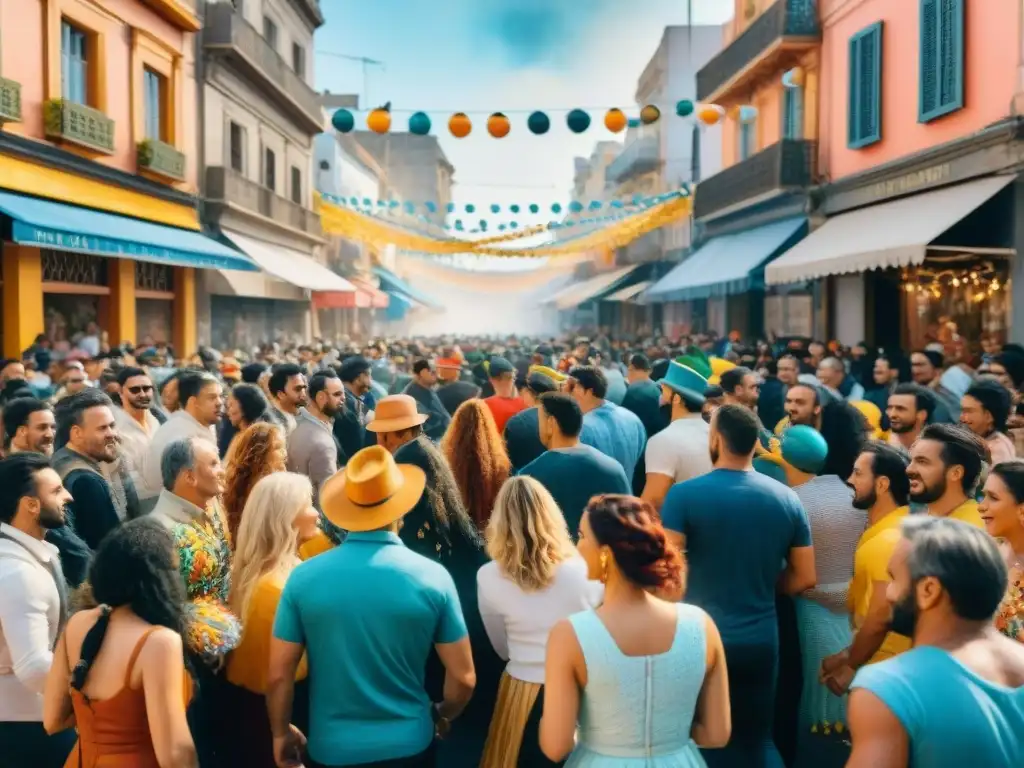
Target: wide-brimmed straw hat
(395, 413)
(372, 491)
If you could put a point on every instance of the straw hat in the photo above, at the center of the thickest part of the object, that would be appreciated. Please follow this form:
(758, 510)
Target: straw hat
(395, 413)
(372, 491)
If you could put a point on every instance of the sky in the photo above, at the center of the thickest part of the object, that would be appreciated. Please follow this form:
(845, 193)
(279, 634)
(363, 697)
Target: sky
(513, 56)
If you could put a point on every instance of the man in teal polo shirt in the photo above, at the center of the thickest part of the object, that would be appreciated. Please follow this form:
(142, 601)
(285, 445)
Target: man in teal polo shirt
(367, 614)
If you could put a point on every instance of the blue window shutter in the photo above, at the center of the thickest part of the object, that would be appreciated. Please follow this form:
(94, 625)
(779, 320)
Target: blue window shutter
(865, 96)
(942, 59)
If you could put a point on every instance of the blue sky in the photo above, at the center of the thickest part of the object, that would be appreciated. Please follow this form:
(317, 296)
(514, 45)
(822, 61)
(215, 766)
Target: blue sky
(482, 56)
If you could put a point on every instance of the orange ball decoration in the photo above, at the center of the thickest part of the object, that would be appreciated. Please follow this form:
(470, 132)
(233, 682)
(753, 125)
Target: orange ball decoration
(460, 125)
(615, 120)
(650, 114)
(379, 121)
(710, 114)
(498, 125)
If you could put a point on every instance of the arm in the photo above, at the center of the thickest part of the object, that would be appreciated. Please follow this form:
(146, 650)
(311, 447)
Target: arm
(656, 487)
(712, 725)
(284, 663)
(323, 463)
(93, 510)
(58, 712)
(451, 641)
(871, 635)
(800, 573)
(561, 692)
(879, 739)
(493, 621)
(163, 678)
(25, 624)
(673, 516)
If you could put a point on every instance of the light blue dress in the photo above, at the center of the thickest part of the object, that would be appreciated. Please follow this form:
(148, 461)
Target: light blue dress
(638, 710)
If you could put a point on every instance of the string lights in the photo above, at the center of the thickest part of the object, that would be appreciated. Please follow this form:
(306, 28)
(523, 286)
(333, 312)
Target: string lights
(977, 283)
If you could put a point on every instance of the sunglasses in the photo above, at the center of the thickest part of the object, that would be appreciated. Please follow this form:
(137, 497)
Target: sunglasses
(138, 390)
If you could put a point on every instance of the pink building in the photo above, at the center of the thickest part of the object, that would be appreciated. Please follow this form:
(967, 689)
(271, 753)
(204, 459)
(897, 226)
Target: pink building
(916, 236)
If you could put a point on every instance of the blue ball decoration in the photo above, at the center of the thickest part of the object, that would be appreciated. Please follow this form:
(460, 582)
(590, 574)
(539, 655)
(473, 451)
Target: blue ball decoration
(419, 124)
(556, 208)
(514, 225)
(393, 204)
(616, 203)
(514, 208)
(353, 201)
(495, 208)
(451, 207)
(684, 108)
(458, 224)
(343, 121)
(501, 227)
(430, 207)
(380, 203)
(575, 206)
(577, 120)
(367, 202)
(409, 208)
(595, 205)
(483, 224)
(534, 208)
(570, 223)
(470, 208)
(634, 122)
(538, 123)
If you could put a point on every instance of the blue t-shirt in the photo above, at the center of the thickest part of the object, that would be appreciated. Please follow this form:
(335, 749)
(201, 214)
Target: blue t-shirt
(368, 613)
(952, 716)
(615, 432)
(575, 475)
(739, 529)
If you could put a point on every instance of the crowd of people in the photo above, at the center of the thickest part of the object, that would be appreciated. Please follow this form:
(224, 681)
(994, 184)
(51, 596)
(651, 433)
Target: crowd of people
(499, 553)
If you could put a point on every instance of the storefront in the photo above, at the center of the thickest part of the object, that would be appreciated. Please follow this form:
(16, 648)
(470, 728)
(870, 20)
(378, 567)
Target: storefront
(919, 251)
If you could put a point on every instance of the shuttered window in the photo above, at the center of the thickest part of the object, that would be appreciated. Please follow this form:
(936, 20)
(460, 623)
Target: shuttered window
(746, 139)
(941, 88)
(865, 99)
(793, 113)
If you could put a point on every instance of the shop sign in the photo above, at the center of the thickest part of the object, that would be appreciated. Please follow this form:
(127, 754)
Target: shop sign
(911, 182)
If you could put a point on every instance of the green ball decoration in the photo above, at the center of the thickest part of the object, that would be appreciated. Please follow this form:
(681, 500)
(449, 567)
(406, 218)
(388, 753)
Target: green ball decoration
(538, 123)
(578, 121)
(534, 208)
(684, 108)
(495, 208)
(419, 124)
(556, 208)
(514, 208)
(343, 121)
(470, 208)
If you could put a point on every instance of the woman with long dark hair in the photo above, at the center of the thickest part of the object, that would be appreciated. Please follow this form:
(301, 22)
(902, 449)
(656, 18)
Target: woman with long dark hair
(644, 678)
(1002, 509)
(118, 670)
(479, 460)
(255, 453)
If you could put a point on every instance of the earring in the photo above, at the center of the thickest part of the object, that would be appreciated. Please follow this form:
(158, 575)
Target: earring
(604, 567)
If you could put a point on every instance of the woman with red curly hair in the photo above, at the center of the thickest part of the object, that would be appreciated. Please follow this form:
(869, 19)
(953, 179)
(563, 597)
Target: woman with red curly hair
(256, 452)
(645, 678)
(476, 453)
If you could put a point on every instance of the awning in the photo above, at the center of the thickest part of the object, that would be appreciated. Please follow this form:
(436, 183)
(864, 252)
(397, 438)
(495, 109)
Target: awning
(48, 224)
(893, 234)
(592, 288)
(365, 296)
(378, 299)
(729, 264)
(289, 265)
(629, 292)
(392, 283)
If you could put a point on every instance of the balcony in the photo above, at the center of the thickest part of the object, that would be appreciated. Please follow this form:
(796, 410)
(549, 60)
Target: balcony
(230, 188)
(161, 159)
(10, 101)
(80, 125)
(790, 165)
(770, 44)
(642, 155)
(227, 33)
(311, 10)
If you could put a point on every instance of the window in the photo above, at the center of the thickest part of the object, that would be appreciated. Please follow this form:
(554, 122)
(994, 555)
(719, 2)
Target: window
(269, 169)
(746, 140)
(299, 60)
(270, 32)
(793, 113)
(154, 88)
(236, 148)
(296, 185)
(864, 108)
(941, 89)
(695, 155)
(74, 64)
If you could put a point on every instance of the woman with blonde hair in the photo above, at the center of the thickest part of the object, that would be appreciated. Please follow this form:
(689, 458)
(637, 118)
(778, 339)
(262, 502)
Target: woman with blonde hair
(256, 452)
(279, 516)
(535, 580)
(476, 452)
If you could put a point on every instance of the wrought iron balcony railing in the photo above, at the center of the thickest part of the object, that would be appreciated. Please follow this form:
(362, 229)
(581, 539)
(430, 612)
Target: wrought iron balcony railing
(226, 186)
(78, 124)
(162, 159)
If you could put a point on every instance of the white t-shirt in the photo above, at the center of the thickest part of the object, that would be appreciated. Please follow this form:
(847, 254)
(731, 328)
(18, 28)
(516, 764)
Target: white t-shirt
(680, 451)
(518, 623)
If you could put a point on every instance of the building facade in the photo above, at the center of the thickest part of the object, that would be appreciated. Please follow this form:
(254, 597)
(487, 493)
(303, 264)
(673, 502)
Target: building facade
(98, 170)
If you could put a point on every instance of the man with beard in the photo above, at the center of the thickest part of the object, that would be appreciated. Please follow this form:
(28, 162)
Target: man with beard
(926, 367)
(803, 406)
(312, 449)
(957, 698)
(33, 608)
(945, 464)
(136, 423)
(909, 409)
(422, 390)
(288, 393)
(743, 387)
(28, 426)
(350, 425)
(881, 488)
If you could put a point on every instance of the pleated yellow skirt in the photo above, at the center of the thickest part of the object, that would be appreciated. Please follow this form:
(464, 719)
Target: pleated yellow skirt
(511, 712)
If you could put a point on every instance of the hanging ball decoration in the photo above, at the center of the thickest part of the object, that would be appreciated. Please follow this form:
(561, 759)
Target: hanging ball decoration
(556, 208)
(460, 125)
(794, 78)
(432, 207)
(538, 123)
(514, 208)
(495, 208)
(514, 225)
(634, 122)
(470, 208)
(650, 114)
(534, 208)
(501, 227)
(343, 121)
(576, 206)
(450, 207)
(615, 120)
(577, 120)
(595, 205)
(498, 125)
(379, 121)
(748, 114)
(409, 208)
(684, 108)
(419, 124)
(710, 114)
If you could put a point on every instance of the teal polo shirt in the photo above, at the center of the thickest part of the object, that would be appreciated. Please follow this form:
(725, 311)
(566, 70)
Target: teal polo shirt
(368, 613)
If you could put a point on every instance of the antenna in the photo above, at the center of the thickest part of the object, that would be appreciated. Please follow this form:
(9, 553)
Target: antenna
(367, 63)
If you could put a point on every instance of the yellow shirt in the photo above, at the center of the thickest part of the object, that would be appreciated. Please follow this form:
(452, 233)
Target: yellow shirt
(968, 513)
(871, 564)
(315, 546)
(248, 663)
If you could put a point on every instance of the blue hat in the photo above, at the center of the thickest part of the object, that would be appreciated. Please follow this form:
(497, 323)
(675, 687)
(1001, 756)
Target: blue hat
(685, 381)
(498, 366)
(804, 449)
(766, 466)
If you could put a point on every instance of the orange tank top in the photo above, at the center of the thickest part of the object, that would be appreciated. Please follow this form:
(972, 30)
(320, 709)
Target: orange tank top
(114, 732)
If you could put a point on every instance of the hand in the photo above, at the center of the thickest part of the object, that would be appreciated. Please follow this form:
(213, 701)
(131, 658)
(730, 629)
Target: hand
(839, 681)
(831, 663)
(288, 748)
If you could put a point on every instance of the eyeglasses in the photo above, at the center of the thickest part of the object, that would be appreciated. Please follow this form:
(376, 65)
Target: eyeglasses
(138, 390)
